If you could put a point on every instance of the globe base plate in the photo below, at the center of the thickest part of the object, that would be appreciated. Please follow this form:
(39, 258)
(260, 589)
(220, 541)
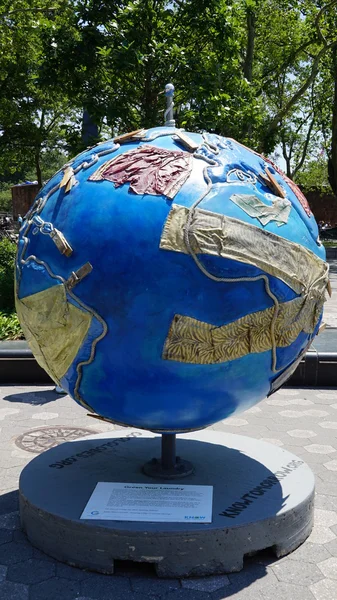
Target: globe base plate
(262, 498)
(181, 468)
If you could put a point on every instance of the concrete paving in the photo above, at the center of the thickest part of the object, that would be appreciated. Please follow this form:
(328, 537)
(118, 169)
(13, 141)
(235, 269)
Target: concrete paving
(304, 421)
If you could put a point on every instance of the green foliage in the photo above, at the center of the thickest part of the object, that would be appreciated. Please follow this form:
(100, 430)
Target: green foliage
(314, 175)
(32, 110)
(261, 71)
(7, 262)
(5, 198)
(10, 327)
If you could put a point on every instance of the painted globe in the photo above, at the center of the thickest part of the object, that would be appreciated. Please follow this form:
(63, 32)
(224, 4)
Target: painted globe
(167, 280)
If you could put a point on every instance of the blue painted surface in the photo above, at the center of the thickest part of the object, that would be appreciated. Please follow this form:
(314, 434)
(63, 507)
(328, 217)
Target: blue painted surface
(136, 288)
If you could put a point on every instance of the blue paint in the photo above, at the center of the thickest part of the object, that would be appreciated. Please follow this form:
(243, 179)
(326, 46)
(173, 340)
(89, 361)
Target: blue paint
(136, 288)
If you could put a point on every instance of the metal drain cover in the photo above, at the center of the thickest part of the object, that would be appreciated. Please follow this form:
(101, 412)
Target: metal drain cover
(44, 438)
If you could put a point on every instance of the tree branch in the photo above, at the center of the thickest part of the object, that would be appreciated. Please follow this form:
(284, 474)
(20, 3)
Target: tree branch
(295, 98)
(305, 148)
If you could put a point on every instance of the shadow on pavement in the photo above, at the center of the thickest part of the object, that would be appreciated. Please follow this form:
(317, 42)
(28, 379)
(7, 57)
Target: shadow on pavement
(34, 398)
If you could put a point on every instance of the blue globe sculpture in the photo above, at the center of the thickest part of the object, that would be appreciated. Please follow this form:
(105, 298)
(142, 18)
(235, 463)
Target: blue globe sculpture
(167, 280)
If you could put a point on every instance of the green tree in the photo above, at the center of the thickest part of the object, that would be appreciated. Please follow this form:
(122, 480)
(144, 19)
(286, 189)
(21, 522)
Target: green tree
(33, 113)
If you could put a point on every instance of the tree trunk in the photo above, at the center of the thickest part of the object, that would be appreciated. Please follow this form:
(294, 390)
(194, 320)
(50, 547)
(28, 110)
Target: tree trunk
(332, 163)
(38, 167)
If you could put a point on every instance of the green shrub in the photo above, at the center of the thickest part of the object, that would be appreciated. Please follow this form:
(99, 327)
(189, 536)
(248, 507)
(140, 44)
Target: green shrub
(10, 327)
(7, 263)
(5, 200)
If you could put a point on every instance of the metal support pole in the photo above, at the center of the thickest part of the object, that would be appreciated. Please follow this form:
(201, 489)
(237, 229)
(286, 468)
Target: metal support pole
(168, 466)
(168, 450)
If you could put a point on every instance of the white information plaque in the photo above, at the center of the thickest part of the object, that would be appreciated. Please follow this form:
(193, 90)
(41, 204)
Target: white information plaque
(160, 503)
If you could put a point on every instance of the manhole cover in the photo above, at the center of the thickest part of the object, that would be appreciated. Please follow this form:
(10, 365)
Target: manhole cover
(38, 440)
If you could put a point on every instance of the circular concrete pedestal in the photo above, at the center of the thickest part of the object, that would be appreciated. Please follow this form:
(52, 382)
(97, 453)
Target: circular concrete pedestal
(262, 498)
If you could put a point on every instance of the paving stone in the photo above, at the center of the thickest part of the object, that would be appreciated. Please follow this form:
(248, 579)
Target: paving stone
(206, 584)
(41, 555)
(328, 424)
(325, 502)
(324, 401)
(188, 595)
(310, 553)
(72, 573)
(153, 585)
(30, 571)
(5, 536)
(13, 591)
(290, 402)
(321, 535)
(287, 591)
(3, 573)
(20, 536)
(273, 441)
(279, 402)
(10, 482)
(314, 459)
(325, 518)
(254, 574)
(292, 414)
(287, 392)
(325, 589)
(302, 433)
(329, 567)
(13, 552)
(10, 521)
(320, 449)
(5, 412)
(299, 573)
(253, 410)
(326, 475)
(45, 416)
(331, 547)
(106, 587)
(328, 489)
(234, 422)
(314, 412)
(331, 465)
(54, 589)
(243, 594)
(327, 395)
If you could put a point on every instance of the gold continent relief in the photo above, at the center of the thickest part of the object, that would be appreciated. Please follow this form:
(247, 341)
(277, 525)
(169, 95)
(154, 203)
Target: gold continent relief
(54, 328)
(193, 341)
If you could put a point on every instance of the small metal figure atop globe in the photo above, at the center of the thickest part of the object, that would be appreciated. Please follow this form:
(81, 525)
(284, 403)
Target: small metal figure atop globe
(168, 279)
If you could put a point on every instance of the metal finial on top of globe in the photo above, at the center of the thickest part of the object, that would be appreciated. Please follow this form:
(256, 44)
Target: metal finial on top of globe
(168, 279)
(168, 115)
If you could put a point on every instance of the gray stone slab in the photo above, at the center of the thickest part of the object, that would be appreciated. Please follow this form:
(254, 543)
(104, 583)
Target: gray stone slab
(54, 589)
(30, 571)
(291, 571)
(5, 536)
(145, 585)
(106, 588)
(263, 497)
(287, 591)
(13, 591)
(67, 572)
(14, 552)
